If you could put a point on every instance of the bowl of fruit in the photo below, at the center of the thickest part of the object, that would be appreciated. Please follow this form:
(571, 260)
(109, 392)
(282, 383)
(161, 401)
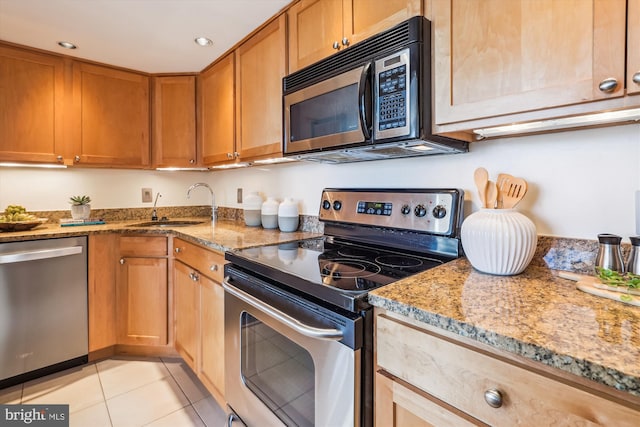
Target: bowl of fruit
(16, 218)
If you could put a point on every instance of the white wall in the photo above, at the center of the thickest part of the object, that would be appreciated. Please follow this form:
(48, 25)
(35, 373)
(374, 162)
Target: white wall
(581, 183)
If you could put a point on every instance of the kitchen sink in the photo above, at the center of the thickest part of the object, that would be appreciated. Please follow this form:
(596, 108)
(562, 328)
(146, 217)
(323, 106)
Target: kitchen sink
(167, 223)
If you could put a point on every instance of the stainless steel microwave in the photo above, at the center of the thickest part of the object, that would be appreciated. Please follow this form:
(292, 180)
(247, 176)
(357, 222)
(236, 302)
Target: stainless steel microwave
(369, 102)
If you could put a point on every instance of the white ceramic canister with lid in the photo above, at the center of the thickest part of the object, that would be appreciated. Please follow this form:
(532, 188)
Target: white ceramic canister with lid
(252, 205)
(288, 215)
(269, 213)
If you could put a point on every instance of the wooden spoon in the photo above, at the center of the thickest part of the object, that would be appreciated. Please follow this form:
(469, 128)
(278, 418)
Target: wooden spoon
(481, 178)
(516, 189)
(492, 195)
(502, 183)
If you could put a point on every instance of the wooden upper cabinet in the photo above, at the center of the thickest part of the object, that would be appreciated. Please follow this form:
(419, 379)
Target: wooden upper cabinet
(31, 106)
(319, 28)
(216, 111)
(111, 116)
(633, 47)
(174, 121)
(260, 67)
(498, 57)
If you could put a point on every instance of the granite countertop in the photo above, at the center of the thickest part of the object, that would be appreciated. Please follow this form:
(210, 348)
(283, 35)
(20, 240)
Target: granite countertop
(225, 235)
(536, 314)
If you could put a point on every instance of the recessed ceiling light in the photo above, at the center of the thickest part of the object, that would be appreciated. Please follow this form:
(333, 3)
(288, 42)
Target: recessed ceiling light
(203, 41)
(67, 45)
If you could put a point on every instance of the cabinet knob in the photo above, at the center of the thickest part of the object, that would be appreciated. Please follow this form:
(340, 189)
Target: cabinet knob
(59, 159)
(191, 162)
(194, 276)
(76, 159)
(121, 261)
(178, 250)
(214, 267)
(608, 85)
(493, 398)
(336, 45)
(345, 41)
(229, 156)
(636, 77)
(236, 154)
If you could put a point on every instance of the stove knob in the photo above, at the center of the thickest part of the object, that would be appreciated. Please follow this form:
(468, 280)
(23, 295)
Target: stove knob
(405, 210)
(326, 205)
(439, 211)
(337, 205)
(420, 211)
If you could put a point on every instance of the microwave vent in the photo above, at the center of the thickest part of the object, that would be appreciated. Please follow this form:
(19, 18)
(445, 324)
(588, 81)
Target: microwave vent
(410, 31)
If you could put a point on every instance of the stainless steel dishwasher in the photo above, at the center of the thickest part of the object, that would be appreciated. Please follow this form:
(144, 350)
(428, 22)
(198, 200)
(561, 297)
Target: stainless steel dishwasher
(43, 307)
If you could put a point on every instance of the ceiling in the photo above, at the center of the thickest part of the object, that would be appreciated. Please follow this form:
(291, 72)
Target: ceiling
(154, 36)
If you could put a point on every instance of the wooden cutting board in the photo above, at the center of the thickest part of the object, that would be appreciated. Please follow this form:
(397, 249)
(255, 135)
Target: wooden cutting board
(594, 286)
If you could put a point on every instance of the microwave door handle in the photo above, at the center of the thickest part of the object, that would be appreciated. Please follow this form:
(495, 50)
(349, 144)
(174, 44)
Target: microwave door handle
(365, 78)
(309, 331)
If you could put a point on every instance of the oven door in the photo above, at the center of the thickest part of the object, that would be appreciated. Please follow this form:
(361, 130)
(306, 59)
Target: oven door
(288, 362)
(333, 113)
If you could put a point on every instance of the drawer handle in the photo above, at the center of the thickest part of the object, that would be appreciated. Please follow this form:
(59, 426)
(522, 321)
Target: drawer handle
(194, 276)
(336, 45)
(178, 250)
(214, 267)
(493, 398)
(608, 85)
(121, 261)
(636, 78)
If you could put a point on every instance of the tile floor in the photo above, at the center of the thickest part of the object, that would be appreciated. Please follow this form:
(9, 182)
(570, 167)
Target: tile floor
(123, 392)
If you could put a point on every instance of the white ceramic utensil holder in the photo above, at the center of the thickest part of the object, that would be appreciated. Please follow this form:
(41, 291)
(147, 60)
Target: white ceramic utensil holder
(499, 241)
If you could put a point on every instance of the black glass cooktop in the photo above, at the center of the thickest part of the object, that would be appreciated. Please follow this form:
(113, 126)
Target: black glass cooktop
(338, 272)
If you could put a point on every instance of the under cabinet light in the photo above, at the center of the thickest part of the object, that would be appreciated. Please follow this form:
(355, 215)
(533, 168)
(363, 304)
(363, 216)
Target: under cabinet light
(274, 161)
(609, 117)
(182, 169)
(33, 165)
(231, 166)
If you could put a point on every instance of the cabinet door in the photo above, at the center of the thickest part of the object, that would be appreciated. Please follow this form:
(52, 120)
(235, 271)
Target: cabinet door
(187, 310)
(260, 67)
(31, 104)
(102, 258)
(174, 122)
(398, 404)
(142, 308)
(111, 116)
(633, 47)
(496, 57)
(217, 111)
(212, 337)
(365, 18)
(314, 27)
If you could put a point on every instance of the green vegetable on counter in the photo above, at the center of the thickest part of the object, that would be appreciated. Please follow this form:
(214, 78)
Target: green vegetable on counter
(614, 278)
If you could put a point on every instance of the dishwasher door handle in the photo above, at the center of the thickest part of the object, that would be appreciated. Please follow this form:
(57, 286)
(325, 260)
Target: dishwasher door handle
(295, 324)
(14, 257)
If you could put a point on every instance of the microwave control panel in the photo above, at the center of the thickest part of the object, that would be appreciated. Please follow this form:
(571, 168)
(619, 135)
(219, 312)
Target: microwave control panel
(392, 106)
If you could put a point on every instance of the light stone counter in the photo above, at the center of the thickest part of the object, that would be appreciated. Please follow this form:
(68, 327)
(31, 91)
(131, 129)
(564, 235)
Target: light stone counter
(225, 235)
(536, 315)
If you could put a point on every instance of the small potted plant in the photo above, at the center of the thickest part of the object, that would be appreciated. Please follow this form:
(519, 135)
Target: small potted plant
(80, 207)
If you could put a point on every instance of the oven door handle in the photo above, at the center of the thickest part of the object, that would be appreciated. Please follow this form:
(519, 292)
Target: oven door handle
(309, 331)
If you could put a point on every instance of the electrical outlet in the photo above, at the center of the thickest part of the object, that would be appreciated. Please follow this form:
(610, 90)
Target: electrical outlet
(239, 195)
(147, 195)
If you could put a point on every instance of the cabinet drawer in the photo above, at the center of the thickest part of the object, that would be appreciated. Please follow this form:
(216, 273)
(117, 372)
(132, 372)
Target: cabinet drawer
(460, 376)
(206, 261)
(143, 246)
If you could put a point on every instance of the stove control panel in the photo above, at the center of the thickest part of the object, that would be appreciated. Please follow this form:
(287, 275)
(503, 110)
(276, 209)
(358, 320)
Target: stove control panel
(437, 211)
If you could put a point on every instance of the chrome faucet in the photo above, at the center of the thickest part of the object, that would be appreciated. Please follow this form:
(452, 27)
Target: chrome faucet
(154, 213)
(214, 209)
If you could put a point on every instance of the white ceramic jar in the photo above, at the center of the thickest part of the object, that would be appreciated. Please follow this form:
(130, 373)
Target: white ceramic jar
(288, 215)
(499, 241)
(252, 206)
(269, 213)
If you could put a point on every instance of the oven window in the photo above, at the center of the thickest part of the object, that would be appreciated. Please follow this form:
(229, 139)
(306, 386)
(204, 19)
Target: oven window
(278, 371)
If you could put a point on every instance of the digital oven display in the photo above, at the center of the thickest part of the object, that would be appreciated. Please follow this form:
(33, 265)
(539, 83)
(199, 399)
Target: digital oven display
(375, 208)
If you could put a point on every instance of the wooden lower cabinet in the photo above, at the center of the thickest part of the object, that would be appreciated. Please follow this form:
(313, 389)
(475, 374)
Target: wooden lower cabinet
(428, 377)
(142, 291)
(102, 257)
(199, 313)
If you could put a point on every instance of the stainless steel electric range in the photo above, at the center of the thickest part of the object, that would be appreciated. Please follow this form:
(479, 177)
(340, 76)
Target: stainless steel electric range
(298, 327)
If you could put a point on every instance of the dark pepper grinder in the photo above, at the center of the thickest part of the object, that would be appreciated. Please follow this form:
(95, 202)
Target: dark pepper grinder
(633, 263)
(609, 253)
